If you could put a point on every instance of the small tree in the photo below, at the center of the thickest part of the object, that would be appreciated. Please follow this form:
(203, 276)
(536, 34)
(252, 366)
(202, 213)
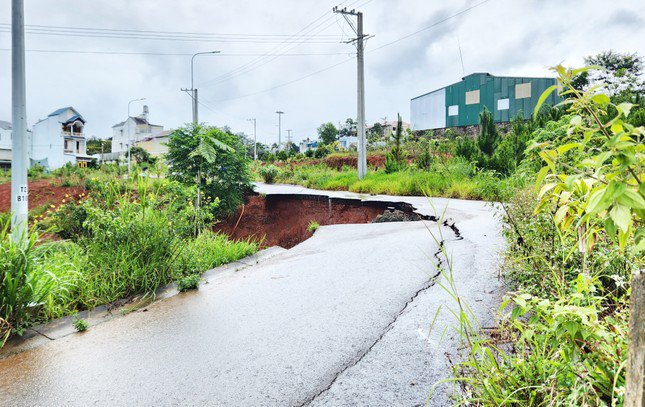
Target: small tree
(488, 135)
(327, 133)
(214, 160)
(395, 160)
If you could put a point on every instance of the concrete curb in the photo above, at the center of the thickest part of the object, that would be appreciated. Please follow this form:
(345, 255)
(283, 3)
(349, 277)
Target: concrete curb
(62, 327)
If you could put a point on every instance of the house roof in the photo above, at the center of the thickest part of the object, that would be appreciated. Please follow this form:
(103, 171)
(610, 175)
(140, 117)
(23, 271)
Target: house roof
(74, 118)
(137, 120)
(5, 125)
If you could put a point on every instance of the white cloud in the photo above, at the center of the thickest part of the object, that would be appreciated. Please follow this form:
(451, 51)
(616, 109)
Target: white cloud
(503, 37)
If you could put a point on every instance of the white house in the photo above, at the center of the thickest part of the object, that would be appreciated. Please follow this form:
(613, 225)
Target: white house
(59, 139)
(133, 130)
(347, 142)
(156, 145)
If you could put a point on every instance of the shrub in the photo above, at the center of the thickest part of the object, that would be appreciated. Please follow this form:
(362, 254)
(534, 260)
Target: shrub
(190, 282)
(313, 226)
(282, 155)
(80, 324)
(269, 173)
(209, 250)
(23, 287)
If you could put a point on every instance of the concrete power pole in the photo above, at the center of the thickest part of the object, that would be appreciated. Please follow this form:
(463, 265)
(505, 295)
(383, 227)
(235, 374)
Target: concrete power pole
(360, 48)
(280, 113)
(19, 156)
(255, 139)
(192, 91)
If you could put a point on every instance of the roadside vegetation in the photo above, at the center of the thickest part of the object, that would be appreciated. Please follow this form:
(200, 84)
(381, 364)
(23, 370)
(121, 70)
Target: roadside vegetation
(575, 238)
(124, 236)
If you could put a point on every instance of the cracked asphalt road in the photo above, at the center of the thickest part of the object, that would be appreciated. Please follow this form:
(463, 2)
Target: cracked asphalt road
(342, 319)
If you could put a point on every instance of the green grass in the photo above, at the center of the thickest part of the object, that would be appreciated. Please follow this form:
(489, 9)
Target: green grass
(453, 179)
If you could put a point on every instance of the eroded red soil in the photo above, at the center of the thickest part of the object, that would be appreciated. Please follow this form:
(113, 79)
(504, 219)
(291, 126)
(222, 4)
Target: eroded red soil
(282, 220)
(41, 192)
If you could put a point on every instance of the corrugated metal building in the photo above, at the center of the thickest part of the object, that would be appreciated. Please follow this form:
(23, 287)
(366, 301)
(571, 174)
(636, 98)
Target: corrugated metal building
(459, 104)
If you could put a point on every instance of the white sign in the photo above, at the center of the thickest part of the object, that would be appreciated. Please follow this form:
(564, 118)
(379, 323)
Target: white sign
(21, 195)
(503, 104)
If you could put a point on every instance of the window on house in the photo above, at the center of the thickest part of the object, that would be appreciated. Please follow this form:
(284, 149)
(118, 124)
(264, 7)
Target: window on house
(503, 104)
(121, 144)
(523, 90)
(453, 110)
(78, 146)
(472, 97)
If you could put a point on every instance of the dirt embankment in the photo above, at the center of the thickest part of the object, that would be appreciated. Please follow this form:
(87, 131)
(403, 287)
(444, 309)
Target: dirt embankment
(41, 192)
(282, 220)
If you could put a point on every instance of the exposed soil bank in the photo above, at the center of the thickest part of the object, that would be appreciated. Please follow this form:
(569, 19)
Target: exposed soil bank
(282, 220)
(41, 192)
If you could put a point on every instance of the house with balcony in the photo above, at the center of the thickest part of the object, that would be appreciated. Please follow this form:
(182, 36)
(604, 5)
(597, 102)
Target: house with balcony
(133, 130)
(60, 139)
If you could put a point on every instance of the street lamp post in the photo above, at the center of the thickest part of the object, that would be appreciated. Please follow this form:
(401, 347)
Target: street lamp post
(280, 113)
(193, 91)
(255, 139)
(128, 124)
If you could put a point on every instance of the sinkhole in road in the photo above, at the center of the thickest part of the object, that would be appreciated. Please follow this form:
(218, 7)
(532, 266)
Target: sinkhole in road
(283, 219)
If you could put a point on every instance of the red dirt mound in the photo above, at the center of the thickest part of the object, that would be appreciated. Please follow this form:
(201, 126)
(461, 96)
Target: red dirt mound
(283, 219)
(41, 192)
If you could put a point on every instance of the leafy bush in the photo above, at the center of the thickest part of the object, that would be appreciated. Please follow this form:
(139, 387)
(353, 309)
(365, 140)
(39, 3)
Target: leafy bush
(190, 282)
(212, 158)
(23, 287)
(80, 324)
(313, 226)
(269, 173)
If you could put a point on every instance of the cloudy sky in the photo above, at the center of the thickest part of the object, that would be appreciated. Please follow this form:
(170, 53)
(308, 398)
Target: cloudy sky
(288, 55)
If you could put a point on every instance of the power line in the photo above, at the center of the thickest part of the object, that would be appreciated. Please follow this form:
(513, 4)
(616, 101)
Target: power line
(304, 39)
(147, 32)
(347, 60)
(252, 65)
(174, 53)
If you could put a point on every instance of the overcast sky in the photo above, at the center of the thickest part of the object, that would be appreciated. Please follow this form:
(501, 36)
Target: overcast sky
(502, 37)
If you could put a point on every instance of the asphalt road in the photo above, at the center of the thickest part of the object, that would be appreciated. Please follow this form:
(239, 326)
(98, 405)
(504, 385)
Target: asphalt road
(343, 319)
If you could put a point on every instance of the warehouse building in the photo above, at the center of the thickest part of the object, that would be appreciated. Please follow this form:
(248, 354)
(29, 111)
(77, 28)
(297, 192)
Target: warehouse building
(459, 104)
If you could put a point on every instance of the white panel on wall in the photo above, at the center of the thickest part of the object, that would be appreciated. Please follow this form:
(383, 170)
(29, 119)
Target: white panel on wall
(429, 111)
(523, 90)
(472, 97)
(503, 104)
(453, 110)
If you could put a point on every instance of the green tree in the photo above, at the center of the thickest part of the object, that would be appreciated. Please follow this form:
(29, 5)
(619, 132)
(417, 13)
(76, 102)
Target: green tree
(395, 160)
(95, 145)
(327, 133)
(349, 129)
(620, 74)
(376, 133)
(212, 158)
(488, 135)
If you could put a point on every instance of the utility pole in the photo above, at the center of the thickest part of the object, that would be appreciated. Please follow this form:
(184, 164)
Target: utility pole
(360, 47)
(255, 139)
(288, 138)
(192, 92)
(280, 113)
(19, 156)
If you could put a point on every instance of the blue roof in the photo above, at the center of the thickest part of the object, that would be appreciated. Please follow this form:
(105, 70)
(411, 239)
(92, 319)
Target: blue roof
(59, 111)
(74, 118)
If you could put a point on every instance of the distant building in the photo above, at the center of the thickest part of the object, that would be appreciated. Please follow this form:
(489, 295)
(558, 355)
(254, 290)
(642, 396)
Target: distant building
(459, 104)
(389, 127)
(347, 142)
(5, 144)
(133, 130)
(156, 145)
(59, 139)
(308, 145)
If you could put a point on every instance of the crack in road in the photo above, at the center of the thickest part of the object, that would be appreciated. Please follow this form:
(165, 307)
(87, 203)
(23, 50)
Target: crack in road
(427, 285)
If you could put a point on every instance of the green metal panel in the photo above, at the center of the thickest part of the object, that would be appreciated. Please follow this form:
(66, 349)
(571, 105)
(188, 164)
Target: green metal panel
(491, 89)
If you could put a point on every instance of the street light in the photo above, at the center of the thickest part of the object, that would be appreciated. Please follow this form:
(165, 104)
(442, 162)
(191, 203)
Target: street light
(280, 113)
(126, 121)
(192, 89)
